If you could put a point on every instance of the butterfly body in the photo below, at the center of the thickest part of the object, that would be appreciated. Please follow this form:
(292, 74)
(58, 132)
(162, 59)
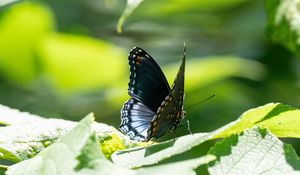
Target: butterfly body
(154, 108)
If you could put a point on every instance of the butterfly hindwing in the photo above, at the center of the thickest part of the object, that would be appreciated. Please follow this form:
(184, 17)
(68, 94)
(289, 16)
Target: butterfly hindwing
(147, 82)
(135, 119)
(170, 112)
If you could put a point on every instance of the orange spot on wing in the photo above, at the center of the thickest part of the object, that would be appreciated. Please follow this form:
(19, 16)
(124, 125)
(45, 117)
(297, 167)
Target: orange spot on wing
(138, 60)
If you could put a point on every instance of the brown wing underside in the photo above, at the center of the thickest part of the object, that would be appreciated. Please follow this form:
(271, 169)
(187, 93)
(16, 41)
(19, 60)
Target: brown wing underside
(169, 114)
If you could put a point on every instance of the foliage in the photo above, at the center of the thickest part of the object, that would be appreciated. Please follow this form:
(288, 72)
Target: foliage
(66, 59)
(283, 23)
(257, 151)
(78, 152)
(52, 141)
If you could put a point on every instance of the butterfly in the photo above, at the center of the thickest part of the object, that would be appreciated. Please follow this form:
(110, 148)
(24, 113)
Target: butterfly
(154, 107)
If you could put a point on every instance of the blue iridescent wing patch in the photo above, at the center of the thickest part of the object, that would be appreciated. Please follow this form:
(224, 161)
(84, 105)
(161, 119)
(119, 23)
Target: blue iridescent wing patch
(135, 119)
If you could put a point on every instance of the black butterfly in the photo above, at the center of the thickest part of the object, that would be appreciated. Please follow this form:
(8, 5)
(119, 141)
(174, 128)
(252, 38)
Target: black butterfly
(154, 108)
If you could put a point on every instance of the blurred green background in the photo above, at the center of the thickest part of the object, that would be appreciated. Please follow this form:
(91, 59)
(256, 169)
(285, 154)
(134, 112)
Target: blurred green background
(64, 59)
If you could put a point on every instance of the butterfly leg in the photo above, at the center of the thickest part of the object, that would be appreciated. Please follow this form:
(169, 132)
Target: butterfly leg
(187, 123)
(188, 126)
(174, 135)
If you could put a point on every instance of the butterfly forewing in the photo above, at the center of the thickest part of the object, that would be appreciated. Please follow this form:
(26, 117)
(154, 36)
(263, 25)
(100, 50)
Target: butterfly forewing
(169, 114)
(147, 82)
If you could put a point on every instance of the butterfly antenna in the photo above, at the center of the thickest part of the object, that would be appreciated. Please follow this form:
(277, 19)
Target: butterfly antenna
(200, 102)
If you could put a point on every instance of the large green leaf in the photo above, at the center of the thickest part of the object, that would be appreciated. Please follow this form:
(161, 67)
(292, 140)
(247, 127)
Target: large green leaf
(254, 151)
(22, 141)
(29, 134)
(78, 153)
(284, 23)
(281, 120)
(60, 158)
(155, 153)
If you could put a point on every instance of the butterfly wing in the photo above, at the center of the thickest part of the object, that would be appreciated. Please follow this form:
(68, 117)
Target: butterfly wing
(170, 112)
(136, 119)
(147, 82)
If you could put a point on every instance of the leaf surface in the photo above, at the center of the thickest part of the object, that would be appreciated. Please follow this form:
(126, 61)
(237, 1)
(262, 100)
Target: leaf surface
(256, 151)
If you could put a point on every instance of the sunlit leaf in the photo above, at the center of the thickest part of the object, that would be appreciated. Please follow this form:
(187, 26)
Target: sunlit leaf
(178, 168)
(130, 6)
(9, 116)
(284, 23)
(78, 153)
(281, 120)
(155, 153)
(22, 141)
(255, 151)
(60, 158)
(29, 134)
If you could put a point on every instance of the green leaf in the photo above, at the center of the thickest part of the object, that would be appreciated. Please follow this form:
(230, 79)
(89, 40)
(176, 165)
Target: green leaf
(255, 151)
(29, 134)
(281, 120)
(283, 23)
(92, 161)
(178, 168)
(20, 142)
(78, 153)
(59, 158)
(130, 6)
(9, 116)
(155, 153)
